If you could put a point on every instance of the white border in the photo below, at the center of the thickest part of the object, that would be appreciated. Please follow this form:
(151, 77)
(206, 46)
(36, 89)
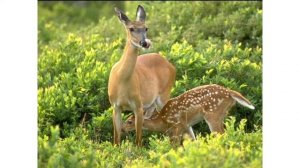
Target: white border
(281, 86)
(18, 84)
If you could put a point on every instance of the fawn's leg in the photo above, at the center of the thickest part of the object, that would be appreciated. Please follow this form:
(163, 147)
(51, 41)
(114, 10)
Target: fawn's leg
(176, 135)
(215, 120)
(215, 123)
(190, 131)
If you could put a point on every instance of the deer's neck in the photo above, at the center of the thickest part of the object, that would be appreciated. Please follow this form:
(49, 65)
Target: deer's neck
(156, 124)
(128, 60)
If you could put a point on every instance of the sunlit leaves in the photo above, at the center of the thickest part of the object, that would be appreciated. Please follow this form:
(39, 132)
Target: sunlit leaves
(216, 42)
(234, 148)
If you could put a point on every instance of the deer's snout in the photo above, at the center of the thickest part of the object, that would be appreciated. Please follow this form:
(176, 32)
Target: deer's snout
(123, 128)
(127, 127)
(145, 43)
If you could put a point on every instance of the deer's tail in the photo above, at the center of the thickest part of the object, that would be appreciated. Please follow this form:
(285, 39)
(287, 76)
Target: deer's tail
(241, 99)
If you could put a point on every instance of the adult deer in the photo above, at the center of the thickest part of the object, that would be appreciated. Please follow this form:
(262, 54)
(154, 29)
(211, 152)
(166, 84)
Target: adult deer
(208, 102)
(138, 83)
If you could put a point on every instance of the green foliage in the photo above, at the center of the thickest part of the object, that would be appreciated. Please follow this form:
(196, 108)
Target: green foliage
(207, 42)
(235, 148)
(72, 79)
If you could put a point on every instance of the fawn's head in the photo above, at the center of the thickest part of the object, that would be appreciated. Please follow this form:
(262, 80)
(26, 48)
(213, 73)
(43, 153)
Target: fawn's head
(129, 124)
(136, 30)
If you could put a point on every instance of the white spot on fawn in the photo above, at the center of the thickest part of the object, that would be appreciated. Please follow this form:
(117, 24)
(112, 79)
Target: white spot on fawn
(220, 101)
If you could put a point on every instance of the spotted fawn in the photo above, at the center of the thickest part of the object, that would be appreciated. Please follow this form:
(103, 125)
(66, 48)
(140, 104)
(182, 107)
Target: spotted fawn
(208, 102)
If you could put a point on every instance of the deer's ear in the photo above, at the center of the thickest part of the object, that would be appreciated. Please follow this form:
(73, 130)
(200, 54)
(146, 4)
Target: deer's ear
(140, 14)
(122, 17)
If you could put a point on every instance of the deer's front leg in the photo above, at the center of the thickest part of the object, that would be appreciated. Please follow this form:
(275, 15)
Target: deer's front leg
(139, 119)
(176, 135)
(117, 121)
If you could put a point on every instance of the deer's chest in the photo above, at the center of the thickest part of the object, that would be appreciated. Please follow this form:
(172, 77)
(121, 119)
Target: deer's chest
(125, 100)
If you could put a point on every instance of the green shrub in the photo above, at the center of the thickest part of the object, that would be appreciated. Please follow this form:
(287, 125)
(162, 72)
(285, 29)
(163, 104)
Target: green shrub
(235, 148)
(207, 42)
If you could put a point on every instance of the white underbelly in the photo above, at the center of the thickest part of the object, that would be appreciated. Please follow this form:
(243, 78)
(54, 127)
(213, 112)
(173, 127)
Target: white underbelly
(195, 119)
(130, 106)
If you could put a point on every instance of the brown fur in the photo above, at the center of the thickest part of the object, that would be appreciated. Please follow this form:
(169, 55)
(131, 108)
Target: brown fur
(138, 83)
(208, 102)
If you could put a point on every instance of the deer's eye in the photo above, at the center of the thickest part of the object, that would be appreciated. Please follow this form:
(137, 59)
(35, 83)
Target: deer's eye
(131, 29)
(129, 122)
(146, 29)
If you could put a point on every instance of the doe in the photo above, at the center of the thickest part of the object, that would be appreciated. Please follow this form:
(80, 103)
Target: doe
(138, 83)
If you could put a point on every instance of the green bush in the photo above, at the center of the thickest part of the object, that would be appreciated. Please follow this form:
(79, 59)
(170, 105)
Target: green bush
(235, 148)
(207, 42)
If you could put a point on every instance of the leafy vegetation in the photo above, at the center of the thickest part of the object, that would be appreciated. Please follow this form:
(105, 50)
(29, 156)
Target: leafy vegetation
(235, 148)
(207, 42)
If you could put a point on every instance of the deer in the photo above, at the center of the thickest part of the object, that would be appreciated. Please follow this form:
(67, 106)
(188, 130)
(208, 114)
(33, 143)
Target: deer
(209, 102)
(138, 83)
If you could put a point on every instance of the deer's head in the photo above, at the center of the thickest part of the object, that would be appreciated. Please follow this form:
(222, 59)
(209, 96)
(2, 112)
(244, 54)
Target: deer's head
(129, 124)
(136, 30)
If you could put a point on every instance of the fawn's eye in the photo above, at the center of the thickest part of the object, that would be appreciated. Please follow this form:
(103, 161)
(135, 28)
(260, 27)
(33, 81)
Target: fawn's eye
(131, 29)
(129, 122)
(146, 29)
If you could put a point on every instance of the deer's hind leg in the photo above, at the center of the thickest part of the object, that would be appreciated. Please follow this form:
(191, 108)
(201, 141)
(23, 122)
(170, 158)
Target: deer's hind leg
(149, 111)
(155, 107)
(215, 122)
(190, 132)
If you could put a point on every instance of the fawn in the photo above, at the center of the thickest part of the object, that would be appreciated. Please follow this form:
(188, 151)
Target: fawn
(208, 102)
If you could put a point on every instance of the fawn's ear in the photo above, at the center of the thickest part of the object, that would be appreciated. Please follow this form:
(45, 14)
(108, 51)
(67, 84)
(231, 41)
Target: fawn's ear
(140, 14)
(122, 17)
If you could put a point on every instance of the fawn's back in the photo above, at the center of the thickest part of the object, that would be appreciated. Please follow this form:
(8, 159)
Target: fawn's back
(209, 102)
